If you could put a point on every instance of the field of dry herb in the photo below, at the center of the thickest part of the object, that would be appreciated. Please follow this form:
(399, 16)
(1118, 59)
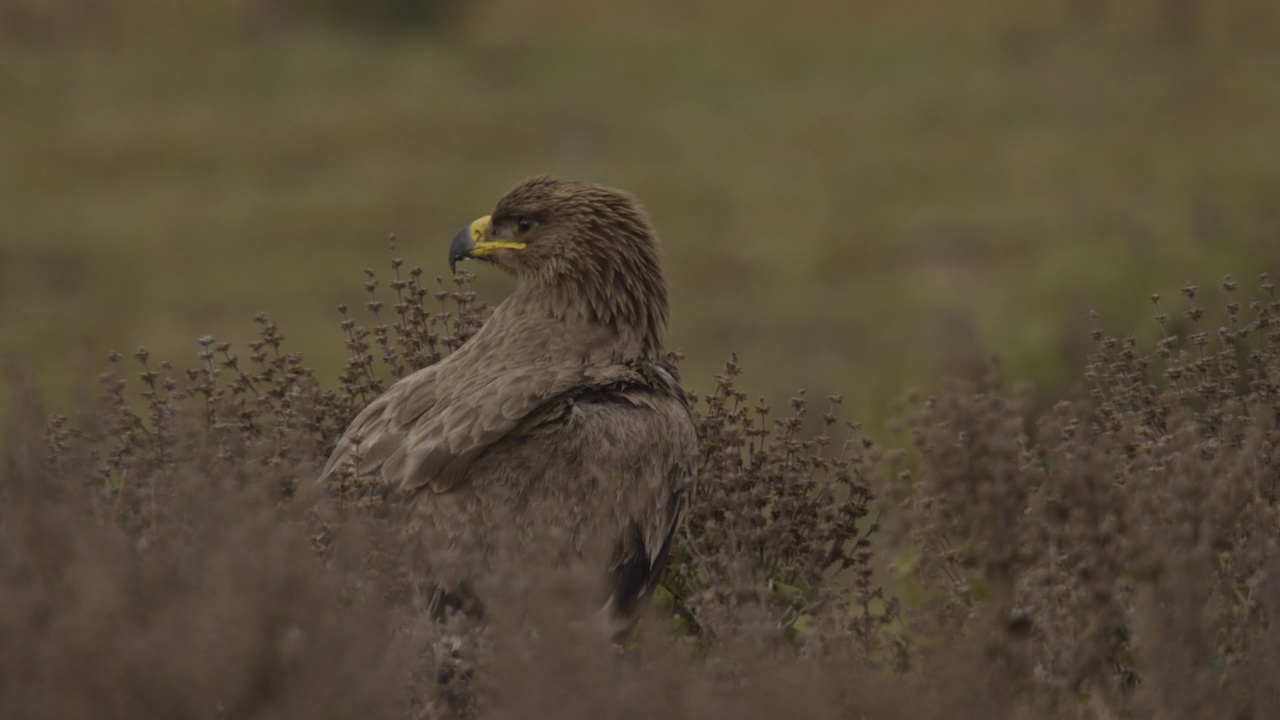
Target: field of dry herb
(1113, 556)
(859, 215)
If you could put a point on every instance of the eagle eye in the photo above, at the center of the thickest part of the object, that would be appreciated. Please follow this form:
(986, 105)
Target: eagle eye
(524, 224)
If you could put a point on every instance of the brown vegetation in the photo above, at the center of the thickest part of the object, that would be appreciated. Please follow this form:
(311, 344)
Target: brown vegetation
(166, 551)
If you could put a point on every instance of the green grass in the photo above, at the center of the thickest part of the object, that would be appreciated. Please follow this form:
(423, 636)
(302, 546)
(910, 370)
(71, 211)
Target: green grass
(857, 212)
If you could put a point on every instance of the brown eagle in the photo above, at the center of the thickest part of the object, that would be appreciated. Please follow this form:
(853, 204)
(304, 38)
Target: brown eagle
(556, 433)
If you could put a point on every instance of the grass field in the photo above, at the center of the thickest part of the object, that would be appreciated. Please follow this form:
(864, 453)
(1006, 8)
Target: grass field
(856, 199)
(853, 211)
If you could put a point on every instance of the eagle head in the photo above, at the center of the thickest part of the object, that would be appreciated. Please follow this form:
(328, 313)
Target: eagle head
(583, 249)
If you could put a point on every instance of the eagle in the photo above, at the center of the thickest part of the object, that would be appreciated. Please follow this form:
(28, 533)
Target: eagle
(557, 433)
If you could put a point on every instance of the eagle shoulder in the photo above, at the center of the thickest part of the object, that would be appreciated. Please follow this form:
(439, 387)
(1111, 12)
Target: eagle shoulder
(424, 432)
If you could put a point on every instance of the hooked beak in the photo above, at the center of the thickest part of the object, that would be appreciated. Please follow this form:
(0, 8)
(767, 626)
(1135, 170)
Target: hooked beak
(465, 242)
(471, 242)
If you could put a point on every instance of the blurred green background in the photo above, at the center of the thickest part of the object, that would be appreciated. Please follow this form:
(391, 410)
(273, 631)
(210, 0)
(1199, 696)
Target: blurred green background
(856, 198)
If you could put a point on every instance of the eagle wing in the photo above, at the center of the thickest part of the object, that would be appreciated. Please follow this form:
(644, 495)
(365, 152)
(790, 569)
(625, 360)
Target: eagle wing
(646, 441)
(623, 460)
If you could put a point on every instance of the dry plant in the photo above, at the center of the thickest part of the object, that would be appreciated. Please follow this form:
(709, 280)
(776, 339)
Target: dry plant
(167, 551)
(1117, 555)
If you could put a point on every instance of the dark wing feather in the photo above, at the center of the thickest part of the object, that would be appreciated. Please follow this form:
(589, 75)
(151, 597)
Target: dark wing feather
(638, 563)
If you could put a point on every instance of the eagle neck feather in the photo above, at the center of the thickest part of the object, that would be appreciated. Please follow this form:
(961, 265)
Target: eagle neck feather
(632, 309)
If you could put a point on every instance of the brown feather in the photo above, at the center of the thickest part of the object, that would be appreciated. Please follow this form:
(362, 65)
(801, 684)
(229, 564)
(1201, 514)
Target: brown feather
(557, 419)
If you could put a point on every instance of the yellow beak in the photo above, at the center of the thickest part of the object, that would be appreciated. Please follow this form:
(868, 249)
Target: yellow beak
(471, 242)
